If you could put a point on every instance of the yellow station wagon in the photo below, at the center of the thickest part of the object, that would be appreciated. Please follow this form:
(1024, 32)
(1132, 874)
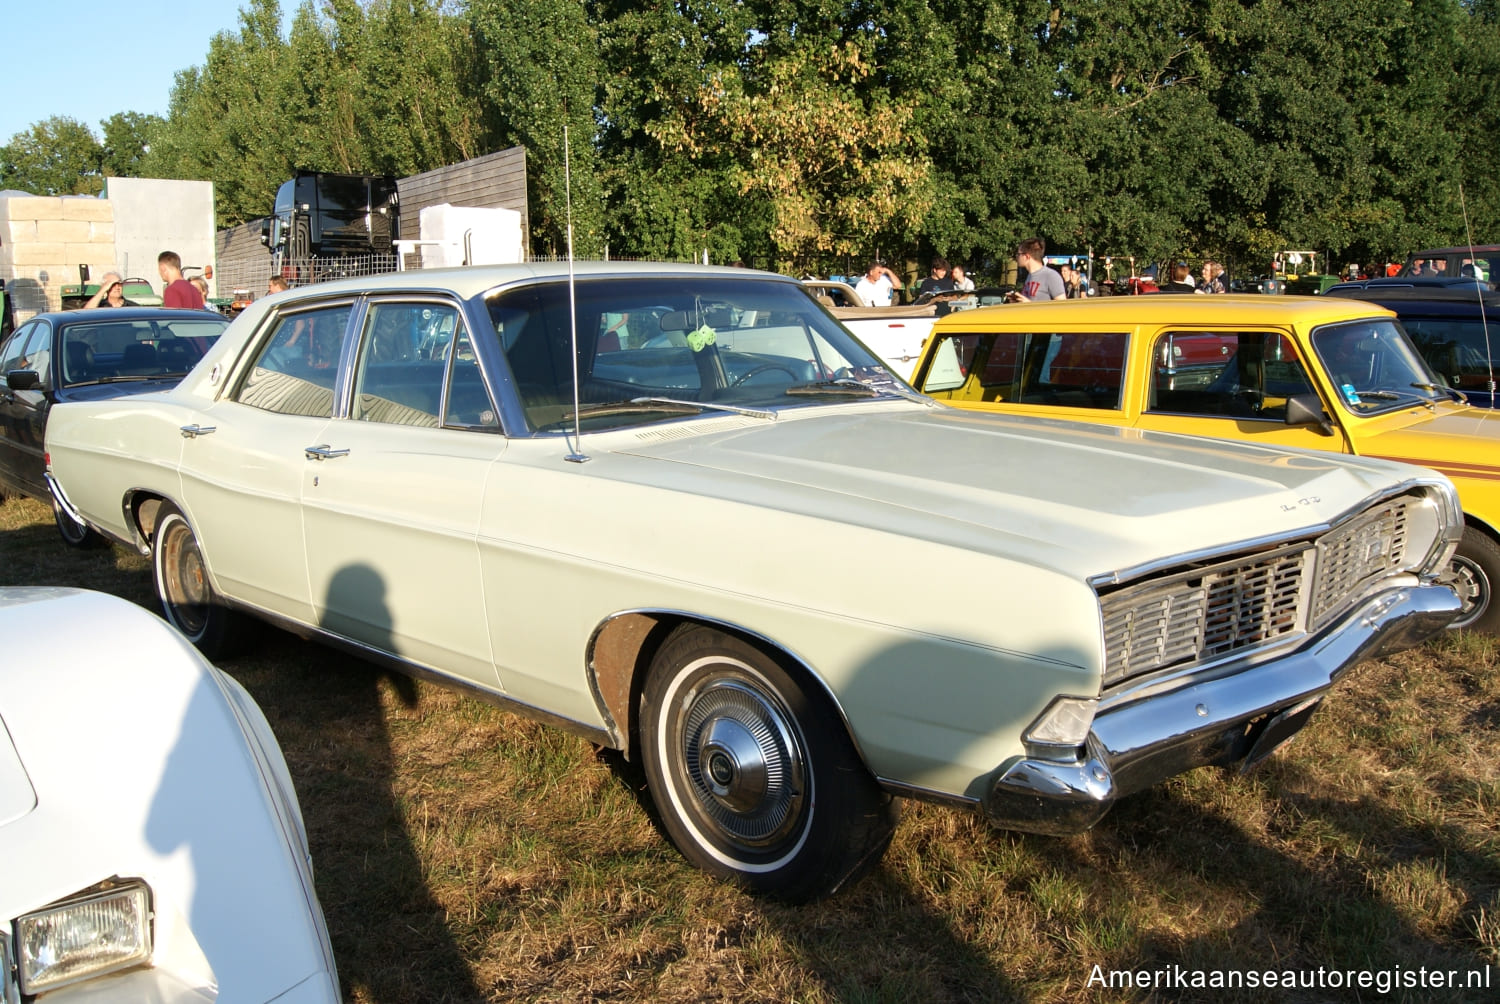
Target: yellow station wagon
(1324, 374)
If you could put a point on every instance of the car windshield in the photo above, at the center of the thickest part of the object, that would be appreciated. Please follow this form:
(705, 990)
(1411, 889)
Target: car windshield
(655, 349)
(141, 349)
(1374, 367)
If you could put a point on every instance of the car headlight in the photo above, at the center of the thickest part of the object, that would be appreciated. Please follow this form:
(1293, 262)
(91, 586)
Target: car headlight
(82, 937)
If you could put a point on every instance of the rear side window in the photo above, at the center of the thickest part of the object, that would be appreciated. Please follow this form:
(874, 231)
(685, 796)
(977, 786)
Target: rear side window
(297, 367)
(1070, 369)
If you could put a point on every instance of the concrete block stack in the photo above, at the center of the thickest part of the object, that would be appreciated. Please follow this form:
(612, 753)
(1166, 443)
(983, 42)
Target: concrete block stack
(43, 240)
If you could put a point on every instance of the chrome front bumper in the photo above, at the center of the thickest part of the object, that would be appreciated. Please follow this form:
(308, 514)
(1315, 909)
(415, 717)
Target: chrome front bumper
(1236, 718)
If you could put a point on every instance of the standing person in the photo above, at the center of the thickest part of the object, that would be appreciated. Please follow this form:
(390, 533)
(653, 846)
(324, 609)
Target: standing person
(1074, 282)
(201, 285)
(276, 284)
(1181, 280)
(179, 292)
(961, 280)
(937, 280)
(1213, 278)
(878, 285)
(1041, 282)
(111, 293)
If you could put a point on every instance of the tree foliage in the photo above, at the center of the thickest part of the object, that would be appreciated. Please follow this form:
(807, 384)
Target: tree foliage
(808, 134)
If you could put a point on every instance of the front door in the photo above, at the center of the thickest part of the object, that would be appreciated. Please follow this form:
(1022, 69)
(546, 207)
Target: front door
(391, 507)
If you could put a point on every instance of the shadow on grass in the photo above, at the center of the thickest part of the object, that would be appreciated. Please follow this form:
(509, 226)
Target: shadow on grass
(390, 937)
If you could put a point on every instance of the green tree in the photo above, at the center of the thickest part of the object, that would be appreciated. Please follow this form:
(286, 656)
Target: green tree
(127, 143)
(57, 156)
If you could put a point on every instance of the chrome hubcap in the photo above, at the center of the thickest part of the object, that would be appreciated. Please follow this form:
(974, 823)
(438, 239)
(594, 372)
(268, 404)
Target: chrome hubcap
(744, 765)
(1468, 580)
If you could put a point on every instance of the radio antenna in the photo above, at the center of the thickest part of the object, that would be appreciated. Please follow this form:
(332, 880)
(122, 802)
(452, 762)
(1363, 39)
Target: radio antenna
(1484, 325)
(576, 454)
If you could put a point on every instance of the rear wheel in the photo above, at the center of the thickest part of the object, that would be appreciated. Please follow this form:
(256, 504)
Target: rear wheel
(187, 597)
(754, 776)
(1473, 574)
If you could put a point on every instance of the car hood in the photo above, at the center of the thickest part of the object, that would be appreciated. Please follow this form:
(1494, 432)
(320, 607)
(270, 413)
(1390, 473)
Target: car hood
(1454, 441)
(1083, 499)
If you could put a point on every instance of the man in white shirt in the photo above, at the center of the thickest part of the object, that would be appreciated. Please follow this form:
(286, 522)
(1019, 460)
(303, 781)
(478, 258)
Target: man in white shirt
(878, 286)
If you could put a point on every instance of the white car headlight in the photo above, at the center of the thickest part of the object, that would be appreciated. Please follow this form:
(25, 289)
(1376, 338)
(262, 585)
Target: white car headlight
(83, 937)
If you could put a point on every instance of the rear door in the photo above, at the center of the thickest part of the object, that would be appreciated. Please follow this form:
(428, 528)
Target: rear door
(245, 456)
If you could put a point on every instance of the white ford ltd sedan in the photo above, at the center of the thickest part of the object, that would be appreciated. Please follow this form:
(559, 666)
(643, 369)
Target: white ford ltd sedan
(682, 512)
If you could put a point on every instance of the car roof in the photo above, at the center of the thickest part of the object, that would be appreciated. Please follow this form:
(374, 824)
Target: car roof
(472, 280)
(119, 314)
(1460, 249)
(1447, 301)
(1165, 308)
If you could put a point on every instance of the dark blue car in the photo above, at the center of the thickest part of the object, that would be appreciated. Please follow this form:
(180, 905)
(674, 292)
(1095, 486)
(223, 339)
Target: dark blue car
(1454, 328)
(86, 355)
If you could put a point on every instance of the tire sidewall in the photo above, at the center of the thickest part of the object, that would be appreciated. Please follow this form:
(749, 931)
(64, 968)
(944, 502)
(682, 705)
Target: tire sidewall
(667, 766)
(846, 819)
(1482, 554)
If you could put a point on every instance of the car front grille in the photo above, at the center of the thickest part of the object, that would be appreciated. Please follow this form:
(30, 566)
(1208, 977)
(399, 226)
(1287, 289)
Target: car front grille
(1237, 604)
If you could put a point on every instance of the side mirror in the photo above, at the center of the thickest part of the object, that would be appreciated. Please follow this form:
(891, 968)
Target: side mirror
(1307, 409)
(23, 379)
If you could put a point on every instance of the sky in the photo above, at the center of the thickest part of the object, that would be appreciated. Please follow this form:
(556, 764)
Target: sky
(88, 60)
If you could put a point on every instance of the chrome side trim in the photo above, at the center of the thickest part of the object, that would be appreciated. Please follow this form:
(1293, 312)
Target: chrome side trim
(922, 794)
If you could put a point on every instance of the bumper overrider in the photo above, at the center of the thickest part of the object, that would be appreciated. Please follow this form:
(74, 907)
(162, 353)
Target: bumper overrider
(1237, 715)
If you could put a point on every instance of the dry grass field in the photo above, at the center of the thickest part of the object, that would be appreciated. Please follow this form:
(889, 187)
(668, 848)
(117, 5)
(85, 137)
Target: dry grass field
(464, 854)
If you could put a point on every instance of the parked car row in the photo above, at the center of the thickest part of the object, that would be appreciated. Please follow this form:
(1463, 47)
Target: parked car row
(701, 542)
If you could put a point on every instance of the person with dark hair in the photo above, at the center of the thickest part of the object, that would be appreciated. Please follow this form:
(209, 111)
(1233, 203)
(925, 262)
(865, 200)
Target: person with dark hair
(937, 281)
(1181, 280)
(1041, 282)
(178, 292)
(878, 286)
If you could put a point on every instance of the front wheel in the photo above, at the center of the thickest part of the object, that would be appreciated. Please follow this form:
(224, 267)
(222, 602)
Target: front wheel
(754, 776)
(187, 597)
(1473, 573)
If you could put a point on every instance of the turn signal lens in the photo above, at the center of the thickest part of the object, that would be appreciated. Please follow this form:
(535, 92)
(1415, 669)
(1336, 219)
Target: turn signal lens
(1066, 722)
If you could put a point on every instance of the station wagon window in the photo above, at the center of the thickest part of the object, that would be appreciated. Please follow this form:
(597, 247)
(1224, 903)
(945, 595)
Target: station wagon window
(1073, 369)
(298, 365)
(1226, 374)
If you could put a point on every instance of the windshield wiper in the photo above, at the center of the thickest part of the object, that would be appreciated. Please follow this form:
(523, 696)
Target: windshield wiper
(708, 406)
(839, 385)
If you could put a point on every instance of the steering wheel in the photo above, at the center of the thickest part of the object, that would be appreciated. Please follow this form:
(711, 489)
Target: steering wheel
(762, 368)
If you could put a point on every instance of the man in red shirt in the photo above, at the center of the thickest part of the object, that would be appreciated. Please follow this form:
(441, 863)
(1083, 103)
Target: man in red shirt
(179, 292)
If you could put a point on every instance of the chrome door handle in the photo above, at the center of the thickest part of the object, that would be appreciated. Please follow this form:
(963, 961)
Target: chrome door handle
(323, 452)
(194, 431)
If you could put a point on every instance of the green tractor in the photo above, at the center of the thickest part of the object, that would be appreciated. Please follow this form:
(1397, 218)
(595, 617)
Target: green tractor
(1299, 272)
(138, 292)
